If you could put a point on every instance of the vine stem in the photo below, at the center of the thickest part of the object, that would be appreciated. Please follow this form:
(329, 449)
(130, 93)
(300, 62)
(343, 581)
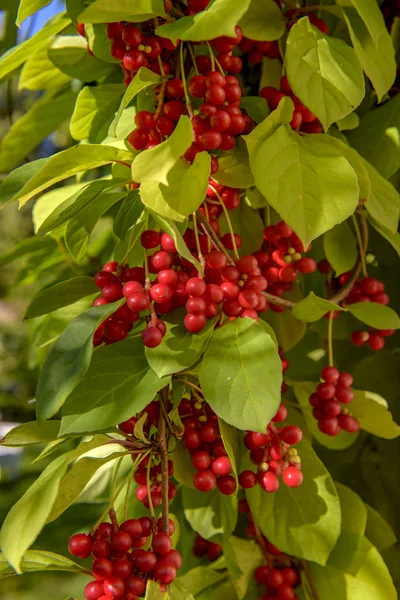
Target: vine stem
(160, 100)
(228, 221)
(211, 233)
(191, 385)
(151, 507)
(330, 338)
(66, 257)
(212, 56)
(193, 59)
(360, 245)
(196, 235)
(187, 98)
(208, 219)
(163, 448)
(306, 570)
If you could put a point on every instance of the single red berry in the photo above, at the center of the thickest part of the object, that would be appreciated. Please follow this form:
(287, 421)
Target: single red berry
(329, 425)
(101, 548)
(291, 434)
(173, 558)
(112, 292)
(103, 278)
(292, 477)
(143, 560)
(135, 586)
(275, 578)
(325, 391)
(161, 543)
(359, 338)
(93, 590)
(150, 239)
(80, 544)
(121, 541)
(133, 527)
(344, 394)
(226, 485)
(247, 479)
(221, 466)
(376, 342)
(330, 374)
(151, 337)
(164, 572)
(205, 481)
(269, 481)
(349, 423)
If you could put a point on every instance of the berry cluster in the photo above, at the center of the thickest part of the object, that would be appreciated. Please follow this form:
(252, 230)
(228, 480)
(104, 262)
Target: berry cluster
(121, 567)
(292, 15)
(202, 438)
(303, 119)
(273, 455)
(255, 51)
(202, 547)
(328, 399)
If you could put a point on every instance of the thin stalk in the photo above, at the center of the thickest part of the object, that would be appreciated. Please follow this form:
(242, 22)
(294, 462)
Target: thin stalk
(183, 76)
(193, 59)
(212, 56)
(213, 236)
(307, 572)
(191, 385)
(163, 447)
(196, 235)
(151, 507)
(66, 257)
(330, 338)
(360, 245)
(228, 221)
(208, 219)
(128, 489)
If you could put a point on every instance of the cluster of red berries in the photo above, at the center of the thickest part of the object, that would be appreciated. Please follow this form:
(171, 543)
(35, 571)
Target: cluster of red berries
(375, 338)
(292, 15)
(136, 46)
(328, 399)
(202, 438)
(273, 455)
(255, 51)
(302, 118)
(202, 547)
(121, 567)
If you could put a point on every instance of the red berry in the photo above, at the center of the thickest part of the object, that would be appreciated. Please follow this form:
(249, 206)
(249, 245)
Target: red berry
(195, 287)
(135, 586)
(205, 481)
(269, 481)
(133, 60)
(329, 425)
(330, 374)
(103, 278)
(93, 590)
(112, 292)
(150, 239)
(226, 485)
(349, 423)
(221, 466)
(247, 479)
(138, 302)
(101, 548)
(325, 391)
(344, 394)
(133, 527)
(151, 337)
(164, 572)
(376, 342)
(132, 36)
(196, 306)
(173, 558)
(292, 477)
(143, 560)
(291, 434)
(80, 544)
(161, 543)
(211, 139)
(114, 587)
(201, 460)
(121, 541)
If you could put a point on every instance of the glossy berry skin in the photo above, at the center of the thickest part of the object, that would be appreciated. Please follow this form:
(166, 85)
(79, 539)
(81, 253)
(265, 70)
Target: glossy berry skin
(114, 587)
(292, 477)
(121, 541)
(93, 590)
(291, 434)
(221, 466)
(194, 323)
(247, 479)
(80, 544)
(226, 485)
(164, 572)
(161, 543)
(143, 560)
(269, 482)
(133, 527)
(151, 337)
(205, 481)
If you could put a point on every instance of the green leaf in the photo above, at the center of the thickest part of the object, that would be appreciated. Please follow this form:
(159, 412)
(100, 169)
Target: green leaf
(312, 308)
(377, 58)
(75, 480)
(354, 512)
(39, 73)
(351, 121)
(375, 315)
(26, 8)
(143, 79)
(210, 513)
(248, 224)
(61, 294)
(31, 433)
(94, 111)
(180, 348)
(40, 560)
(302, 521)
(377, 139)
(186, 189)
(384, 202)
(184, 471)
(69, 54)
(243, 392)
(271, 72)
(29, 247)
(230, 437)
(392, 238)
(128, 214)
(303, 390)
(25, 183)
(372, 412)
(355, 571)
(281, 115)
(46, 115)
(68, 360)
(155, 164)
(27, 517)
(288, 330)
(234, 168)
(220, 18)
(101, 11)
(200, 578)
(80, 227)
(180, 244)
(118, 384)
(243, 557)
(322, 189)
(255, 198)
(263, 20)
(256, 107)
(13, 58)
(340, 248)
(99, 42)
(378, 531)
(323, 72)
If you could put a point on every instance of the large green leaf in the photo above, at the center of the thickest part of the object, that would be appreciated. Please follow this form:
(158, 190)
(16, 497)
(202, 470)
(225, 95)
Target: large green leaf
(303, 521)
(68, 360)
(324, 72)
(45, 116)
(355, 571)
(31, 433)
(288, 330)
(384, 202)
(94, 110)
(102, 11)
(40, 560)
(39, 73)
(340, 248)
(220, 18)
(354, 512)
(128, 214)
(69, 54)
(180, 348)
(375, 315)
(28, 181)
(376, 56)
(377, 137)
(243, 391)
(242, 558)
(248, 224)
(61, 294)
(372, 412)
(263, 20)
(210, 513)
(200, 578)
(118, 384)
(13, 58)
(155, 164)
(143, 79)
(306, 180)
(378, 531)
(27, 517)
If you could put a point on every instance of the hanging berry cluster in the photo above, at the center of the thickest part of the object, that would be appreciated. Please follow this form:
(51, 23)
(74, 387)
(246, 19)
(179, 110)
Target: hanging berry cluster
(328, 400)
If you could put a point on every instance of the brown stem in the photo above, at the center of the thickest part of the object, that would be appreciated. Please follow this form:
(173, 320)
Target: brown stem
(113, 519)
(278, 301)
(160, 100)
(163, 447)
(211, 233)
(306, 570)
